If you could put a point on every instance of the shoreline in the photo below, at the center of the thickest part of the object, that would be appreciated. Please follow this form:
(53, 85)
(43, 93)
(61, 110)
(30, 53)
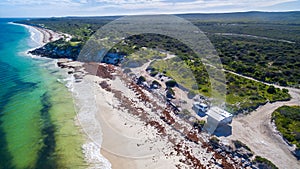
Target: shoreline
(40, 37)
(89, 149)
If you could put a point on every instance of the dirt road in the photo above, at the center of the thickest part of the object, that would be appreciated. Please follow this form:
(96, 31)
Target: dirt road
(257, 132)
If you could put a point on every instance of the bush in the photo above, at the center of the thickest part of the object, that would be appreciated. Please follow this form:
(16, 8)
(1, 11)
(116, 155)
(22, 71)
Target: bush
(171, 83)
(141, 79)
(156, 83)
(205, 90)
(271, 89)
(153, 73)
(201, 123)
(150, 68)
(214, 141)
(285, 90)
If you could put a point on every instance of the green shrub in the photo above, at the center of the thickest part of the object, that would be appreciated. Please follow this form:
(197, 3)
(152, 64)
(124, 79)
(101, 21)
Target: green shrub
(171, 83)
(271, 89)
(153, 73)
(264, 163)
(171, 91)
(141, 79)
(287, 121)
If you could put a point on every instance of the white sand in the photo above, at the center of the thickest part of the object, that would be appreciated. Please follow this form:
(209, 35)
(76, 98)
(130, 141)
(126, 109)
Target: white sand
(124, 139)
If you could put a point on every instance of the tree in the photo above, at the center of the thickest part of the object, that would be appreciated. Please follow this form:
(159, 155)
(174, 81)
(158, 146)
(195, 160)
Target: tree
(271, 89)
(141, 79)
(285, 90)
(171, 83)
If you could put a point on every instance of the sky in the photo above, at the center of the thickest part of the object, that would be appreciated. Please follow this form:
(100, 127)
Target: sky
(56, 8)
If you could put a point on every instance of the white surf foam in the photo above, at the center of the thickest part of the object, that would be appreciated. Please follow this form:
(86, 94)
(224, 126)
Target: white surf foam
(94, 158)
(86, 110)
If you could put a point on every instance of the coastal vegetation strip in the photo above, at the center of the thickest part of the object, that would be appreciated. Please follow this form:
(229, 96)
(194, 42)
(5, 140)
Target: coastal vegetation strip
(264, 59)
(245, 55)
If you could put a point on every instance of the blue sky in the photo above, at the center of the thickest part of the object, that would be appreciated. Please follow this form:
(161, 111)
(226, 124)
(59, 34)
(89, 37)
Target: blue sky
(49, 8)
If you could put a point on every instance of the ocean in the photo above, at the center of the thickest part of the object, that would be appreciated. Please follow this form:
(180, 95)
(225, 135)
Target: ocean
(37, 112)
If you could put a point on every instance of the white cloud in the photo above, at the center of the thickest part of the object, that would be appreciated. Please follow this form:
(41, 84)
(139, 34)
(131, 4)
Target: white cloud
(150, 3)
(120, 7)
(127, 1)
(83, 1)
(40, 2)
(163, 6)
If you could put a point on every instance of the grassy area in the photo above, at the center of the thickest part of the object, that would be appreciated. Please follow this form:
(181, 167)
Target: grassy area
(73, 44)
(246, 95)
(141, 57)
(179, 71)
(241, 94)
(287, 120)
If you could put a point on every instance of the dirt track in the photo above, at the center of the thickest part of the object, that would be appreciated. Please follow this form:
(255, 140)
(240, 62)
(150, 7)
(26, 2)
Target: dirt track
(257, 132)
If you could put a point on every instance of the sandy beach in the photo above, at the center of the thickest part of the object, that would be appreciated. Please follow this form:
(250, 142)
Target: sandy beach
(41, 35)
(126, 122)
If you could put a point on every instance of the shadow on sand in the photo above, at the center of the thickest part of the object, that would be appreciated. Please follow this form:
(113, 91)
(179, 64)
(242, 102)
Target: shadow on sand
(223, 130)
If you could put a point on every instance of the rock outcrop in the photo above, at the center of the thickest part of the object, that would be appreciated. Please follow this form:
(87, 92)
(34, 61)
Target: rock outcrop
(58, 49)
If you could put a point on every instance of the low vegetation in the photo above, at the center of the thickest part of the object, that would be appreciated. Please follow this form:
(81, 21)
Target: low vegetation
(60, 49)
(265, 60)
(270, 55)
(287, 121)
(242, 95)
(261, 162)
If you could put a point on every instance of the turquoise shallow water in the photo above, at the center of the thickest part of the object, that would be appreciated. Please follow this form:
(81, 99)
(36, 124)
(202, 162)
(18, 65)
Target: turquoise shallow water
(37, 127)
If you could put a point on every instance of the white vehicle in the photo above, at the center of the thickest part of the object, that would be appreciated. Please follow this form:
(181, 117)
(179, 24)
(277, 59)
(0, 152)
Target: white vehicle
(200, 107)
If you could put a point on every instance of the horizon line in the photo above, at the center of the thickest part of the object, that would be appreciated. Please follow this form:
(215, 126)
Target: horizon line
(138, 14)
